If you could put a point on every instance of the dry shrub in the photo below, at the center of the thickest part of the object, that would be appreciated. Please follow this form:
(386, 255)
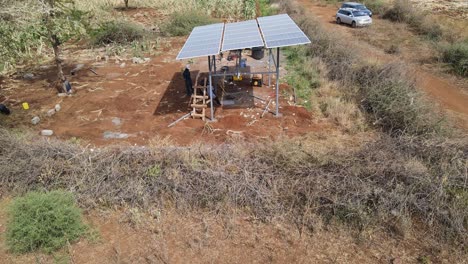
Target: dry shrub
(391, 98)
(404, 11)
(376, 184)
(345, 114)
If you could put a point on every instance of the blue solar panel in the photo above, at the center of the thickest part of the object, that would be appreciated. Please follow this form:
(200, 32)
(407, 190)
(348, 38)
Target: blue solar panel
(241, 35)
(277, 31)
(281, 31)
(203, 41)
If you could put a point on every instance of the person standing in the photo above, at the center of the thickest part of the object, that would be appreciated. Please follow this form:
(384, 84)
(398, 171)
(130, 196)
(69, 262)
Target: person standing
(188, 80)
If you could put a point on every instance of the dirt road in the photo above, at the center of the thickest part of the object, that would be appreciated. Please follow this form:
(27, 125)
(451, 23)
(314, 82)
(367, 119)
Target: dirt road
(442, 90)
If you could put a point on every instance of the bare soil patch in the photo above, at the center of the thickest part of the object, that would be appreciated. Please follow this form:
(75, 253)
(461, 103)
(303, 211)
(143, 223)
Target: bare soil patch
(131, 236)
(145, 99)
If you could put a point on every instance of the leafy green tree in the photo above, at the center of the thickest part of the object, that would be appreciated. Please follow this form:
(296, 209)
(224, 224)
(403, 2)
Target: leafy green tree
(61, 22)
(26, 25)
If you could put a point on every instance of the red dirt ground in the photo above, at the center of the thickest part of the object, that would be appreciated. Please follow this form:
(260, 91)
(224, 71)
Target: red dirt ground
(131, 236)
(147, 98)
(450, 94)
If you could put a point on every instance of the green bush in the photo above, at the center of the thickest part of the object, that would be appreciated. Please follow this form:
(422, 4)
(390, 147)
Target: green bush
(376, 6)
(118, 32)
(303, 74)
(266, 9)
(182, 23)
(456, 55)
(44, 221)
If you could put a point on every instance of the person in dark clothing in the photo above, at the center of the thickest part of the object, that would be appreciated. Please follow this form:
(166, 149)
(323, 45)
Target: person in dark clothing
(67, 86)
(188, 80)
(4, 110)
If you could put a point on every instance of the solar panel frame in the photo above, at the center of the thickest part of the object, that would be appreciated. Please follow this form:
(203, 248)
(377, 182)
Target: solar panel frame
(241, 35)
(269, 32)
(203, 41)
(281, 31)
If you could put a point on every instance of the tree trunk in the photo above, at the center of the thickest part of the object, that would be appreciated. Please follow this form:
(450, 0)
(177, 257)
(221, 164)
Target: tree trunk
(126, 4)
(58, 62)
(55, 41)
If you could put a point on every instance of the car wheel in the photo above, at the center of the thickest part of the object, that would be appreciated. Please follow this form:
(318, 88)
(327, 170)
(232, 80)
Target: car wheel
(338, 20)
(353, 24)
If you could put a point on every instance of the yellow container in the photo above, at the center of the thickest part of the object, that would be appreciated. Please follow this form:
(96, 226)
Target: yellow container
(237, 78)
(25, 106)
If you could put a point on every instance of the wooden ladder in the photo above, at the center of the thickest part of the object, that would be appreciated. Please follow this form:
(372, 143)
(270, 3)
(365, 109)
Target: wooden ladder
(199, 101)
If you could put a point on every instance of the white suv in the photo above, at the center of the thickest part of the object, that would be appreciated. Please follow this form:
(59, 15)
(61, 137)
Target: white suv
(354, 17)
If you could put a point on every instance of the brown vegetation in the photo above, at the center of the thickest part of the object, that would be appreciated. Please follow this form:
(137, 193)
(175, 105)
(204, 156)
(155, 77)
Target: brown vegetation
(384, 182)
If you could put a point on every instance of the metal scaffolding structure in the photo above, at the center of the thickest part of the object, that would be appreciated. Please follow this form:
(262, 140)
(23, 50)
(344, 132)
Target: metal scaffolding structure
(271, 32)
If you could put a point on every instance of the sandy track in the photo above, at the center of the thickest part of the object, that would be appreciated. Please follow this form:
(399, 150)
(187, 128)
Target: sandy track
(442, 91)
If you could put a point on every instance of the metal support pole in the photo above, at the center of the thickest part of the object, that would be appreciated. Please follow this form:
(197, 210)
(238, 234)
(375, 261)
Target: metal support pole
(269, 68)
(210, 89)
(214, 63)
(240, 61)
(277, 80)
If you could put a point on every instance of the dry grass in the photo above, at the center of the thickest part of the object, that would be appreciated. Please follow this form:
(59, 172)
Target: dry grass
(216, 8)
(386, 93)
(378, 184)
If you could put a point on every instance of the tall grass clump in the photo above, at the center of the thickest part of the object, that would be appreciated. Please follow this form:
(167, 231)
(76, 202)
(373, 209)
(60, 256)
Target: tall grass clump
(182, 23)
(266, 8)
(117, 32)
(456, 54)
(404, 11)
(303, 75)
(45, 221)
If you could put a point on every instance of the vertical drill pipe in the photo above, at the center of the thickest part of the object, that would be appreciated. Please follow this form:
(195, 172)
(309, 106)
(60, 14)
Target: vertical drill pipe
(210, 89)
(277, 79)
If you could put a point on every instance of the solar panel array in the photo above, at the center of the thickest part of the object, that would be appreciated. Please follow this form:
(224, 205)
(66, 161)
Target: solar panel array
(281, 31)
(241, 35)
(203, 41)
(277, 31)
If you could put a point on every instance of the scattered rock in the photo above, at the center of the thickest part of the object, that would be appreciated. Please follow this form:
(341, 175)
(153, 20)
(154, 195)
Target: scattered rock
(137, 60)
(77, 68)
(115, 135)
(51, 112)
(35, 120)
(146, 59)
(122, 65)
(45, 67)
(28, 76)
(113, 75)
(57, 107)
(47, 132)
(62, 94)
(116, 121)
